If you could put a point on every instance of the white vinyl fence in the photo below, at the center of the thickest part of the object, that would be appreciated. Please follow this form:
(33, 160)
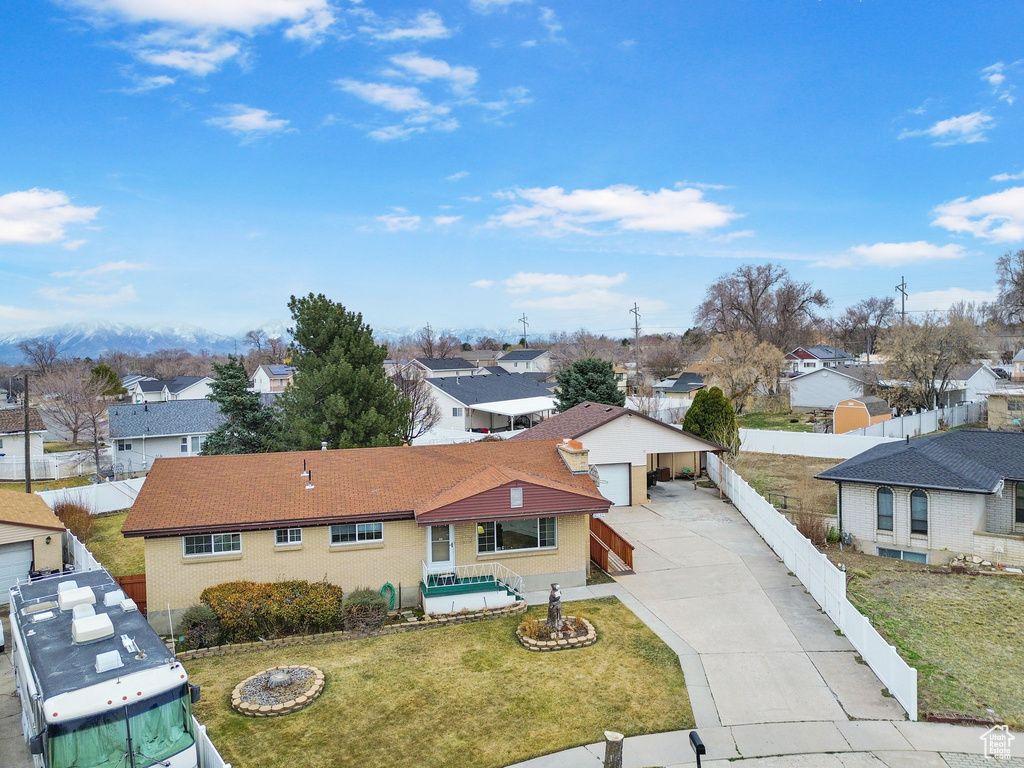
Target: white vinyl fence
(927, 421)
(76, 554)
(98, 498)
(825, 582)
(52, 466)
(817, 444)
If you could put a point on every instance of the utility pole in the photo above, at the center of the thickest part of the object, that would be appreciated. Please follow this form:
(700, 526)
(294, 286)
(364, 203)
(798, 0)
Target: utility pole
(28, 444)
(902, 290)
(636, 340)
(525, 325)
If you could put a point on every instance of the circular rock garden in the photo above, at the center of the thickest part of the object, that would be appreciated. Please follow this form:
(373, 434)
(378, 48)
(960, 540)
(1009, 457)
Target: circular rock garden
(576, 632)
(278, 691)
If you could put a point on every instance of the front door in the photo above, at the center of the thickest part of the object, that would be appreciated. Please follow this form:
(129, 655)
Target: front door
(440, 547)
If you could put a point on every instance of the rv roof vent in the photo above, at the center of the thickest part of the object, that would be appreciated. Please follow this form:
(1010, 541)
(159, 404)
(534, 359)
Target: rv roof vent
(37, 617)
(107, 661)
(91, 628)
(81, 611)
(28, 610)
(128, 605)
(69, 598)
(64, 586)
(114, 597)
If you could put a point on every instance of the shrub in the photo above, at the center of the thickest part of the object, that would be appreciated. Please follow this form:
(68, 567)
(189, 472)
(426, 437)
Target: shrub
(76, 517)
(200, 626)
(812, 526)
(535, 630)
(833, 535)
(364, 610)
(249, 611)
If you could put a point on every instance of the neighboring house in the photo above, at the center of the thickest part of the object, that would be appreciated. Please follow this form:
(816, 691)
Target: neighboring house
(976, 381)
(858, 412)
(142, 432)
(450, 527)
(621, 378)
(482, 357)
(624, 446)
(1017, 372)
(523, 360)
(442, 367)
(936, 497)
(823, 388)
(684, 386)
(30, 539)
(807, 359)
(129, 381)
(12, 433)
(1006, 407)
(495, 402)
(272, 379)
(164, 390)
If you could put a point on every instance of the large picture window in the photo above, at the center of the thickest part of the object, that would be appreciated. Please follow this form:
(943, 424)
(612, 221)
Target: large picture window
(354, 533)
(919, 512)
(884, 503)
(212, 544)
(514, 535)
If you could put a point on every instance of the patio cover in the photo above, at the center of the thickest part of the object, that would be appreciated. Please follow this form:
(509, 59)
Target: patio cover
(513, 408)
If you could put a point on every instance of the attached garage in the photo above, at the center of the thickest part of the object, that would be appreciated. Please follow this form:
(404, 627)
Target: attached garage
(30, 538)
(614, 483)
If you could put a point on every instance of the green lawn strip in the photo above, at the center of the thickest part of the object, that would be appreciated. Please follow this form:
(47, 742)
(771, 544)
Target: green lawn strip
(120, 556)
(777, 421)
(962, 633)
(46, 485)
(466, 695)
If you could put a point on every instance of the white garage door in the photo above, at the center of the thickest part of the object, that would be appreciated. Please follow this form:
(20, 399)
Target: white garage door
(15, 563)
(614, 483)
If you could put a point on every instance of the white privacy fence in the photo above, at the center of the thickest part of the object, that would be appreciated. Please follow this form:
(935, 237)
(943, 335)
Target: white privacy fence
(825, 582)
(927, 421)
(819, 445)
(48, 467)
(208, 755)
(98, 498)
(77, 555)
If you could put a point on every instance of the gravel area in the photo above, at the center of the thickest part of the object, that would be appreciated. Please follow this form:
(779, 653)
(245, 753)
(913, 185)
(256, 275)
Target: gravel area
(257, 692)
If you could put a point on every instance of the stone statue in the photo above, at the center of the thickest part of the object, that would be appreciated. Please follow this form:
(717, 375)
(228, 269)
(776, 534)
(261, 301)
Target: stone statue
(555, 609)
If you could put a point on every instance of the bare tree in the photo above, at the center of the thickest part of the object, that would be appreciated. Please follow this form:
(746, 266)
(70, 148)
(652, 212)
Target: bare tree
(1010, 279)
(424, 412)
(664, 358)
(741, 366)
(447, 346)
(860, 326)
(66, 403)
(427, 342)
(41, 353)
(764, 301)
(489, 343)
(256, 338)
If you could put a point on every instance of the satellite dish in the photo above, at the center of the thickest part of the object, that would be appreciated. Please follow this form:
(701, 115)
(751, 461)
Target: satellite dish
(595, 475)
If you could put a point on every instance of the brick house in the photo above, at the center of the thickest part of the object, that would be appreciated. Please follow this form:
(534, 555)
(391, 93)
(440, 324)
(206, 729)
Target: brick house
(450, 527)
(935, 497)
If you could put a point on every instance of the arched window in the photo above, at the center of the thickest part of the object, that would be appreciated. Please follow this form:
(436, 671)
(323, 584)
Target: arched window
(919, 512)
(883, 498)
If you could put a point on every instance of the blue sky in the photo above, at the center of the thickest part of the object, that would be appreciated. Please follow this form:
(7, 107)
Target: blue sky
(462, 162)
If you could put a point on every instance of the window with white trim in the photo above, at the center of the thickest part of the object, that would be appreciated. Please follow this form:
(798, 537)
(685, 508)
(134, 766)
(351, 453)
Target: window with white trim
(287, 536)
(184, 445)
(211, 544)
(456, 412)
(884, 502)
(919, 513)
(516, 499)
(1018, 495)
(516, 535)
(122, 445)
(198, 441)
(356, 533)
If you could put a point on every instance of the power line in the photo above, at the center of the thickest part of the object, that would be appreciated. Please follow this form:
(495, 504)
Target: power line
(525, 325)
(636, 337)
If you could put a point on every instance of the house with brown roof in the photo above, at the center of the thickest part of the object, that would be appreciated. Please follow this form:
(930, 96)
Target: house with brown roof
(30, 539)
(623, 446)
(449, 526)
(12, 439)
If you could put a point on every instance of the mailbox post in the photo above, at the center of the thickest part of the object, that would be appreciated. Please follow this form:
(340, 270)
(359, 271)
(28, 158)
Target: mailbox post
(698, 746)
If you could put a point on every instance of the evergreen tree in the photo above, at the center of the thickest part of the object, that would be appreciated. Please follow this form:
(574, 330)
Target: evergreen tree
(250, 425)
(712, 417)
(341, 394)
(588, 379)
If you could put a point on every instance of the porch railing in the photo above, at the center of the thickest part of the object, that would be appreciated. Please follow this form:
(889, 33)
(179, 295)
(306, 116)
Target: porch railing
(504, 577)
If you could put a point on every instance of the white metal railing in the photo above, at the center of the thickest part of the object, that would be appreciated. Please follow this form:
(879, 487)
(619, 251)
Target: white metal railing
(207, 753)
(503, 576)
(825, 582)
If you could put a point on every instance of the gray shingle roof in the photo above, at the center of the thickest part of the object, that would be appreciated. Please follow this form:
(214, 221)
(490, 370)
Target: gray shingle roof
(473, 390)
(969, 460)
(1018, 357)
(173, 385)
(686, 382)
(824, 352)
(175, 417)
(446, 363)
(523, 354)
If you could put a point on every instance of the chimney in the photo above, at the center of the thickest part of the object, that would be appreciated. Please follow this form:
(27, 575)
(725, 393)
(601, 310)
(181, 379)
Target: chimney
(575, 456)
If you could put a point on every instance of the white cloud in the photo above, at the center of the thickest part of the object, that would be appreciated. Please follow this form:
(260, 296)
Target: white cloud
(627, 44)
(37, 216)
(443, 221)
(93, 301)
(485, 6)
(461, 79)
(597, 300)
(237, 15)
(893, 255)
(457, 176)
(106, 268)
(995, 75)
(628, 208)
(927, 301)
(529, 43)
(146, 84)
(399, 221)
(397, 98)
(965, 129)
(482, 284)
(730, 236)
(427, 26)
(550, 22)
(248, 122)
(1008, 176)
(199, 61)
(522, 282)
(998, 217)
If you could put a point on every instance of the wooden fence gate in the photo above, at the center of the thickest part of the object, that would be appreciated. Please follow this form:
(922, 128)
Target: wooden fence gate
(608, 549)
(134, 587)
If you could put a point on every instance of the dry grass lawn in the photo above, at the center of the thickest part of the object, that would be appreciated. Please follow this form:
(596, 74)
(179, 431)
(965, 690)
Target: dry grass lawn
(467, 696)
(789, 475)
(962, 633)
(46, 485)
(120, 556)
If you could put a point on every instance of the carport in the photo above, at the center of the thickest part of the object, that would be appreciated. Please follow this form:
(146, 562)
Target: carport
(532, 408)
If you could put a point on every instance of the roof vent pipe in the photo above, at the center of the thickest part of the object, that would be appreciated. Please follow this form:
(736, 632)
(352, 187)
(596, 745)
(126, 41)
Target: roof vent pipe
(323, 445)
(309, 483)
(908, 439)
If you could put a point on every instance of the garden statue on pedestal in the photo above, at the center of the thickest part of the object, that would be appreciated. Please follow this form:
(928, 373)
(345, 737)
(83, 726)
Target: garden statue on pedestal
(555, 609)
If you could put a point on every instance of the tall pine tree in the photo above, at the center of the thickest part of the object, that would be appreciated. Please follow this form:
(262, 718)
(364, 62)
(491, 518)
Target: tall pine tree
(250, 425)
(341, 394)
(585, 380)
(712, 417)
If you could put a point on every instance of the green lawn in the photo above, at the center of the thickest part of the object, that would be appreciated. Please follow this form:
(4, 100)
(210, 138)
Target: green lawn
(120, 556)
(962, 633)
(777, 421)
(467, 696)
(46, 485)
